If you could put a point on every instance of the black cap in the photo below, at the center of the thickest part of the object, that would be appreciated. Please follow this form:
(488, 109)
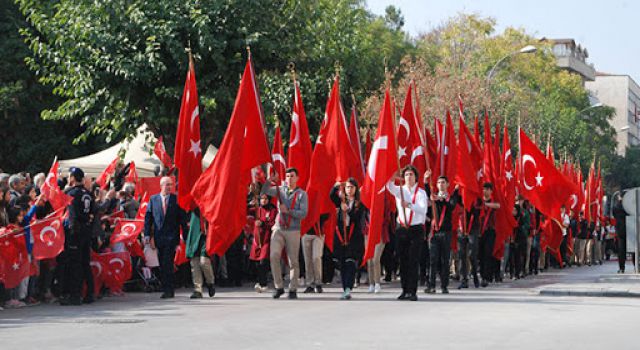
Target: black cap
(77, 173)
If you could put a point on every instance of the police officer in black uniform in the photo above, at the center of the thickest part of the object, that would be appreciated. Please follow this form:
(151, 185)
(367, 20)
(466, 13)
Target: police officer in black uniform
(77, 239)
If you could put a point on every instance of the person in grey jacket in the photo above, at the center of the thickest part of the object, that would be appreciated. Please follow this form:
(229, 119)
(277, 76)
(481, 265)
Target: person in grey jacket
(292, 208)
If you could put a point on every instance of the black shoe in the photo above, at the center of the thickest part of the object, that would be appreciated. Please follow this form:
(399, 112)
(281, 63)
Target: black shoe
(387, 278)
(293, 295)
(463, 284)
(445, 290)
(70, 301)
(318, 289)
(196, 295)
(309, 290)
(476, 282)
(430, 290)
(403, 296)
(412, 297)
(167, 296)
(212, 290)
(484, 284)
(88, 300)
(278, 293)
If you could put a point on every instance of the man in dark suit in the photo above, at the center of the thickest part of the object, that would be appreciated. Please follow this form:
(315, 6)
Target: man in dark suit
(162, 224)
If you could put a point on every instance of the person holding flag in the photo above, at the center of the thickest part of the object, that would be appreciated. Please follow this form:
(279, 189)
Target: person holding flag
(441, 228)
(489, 265)
(411, 204)
(286, 231)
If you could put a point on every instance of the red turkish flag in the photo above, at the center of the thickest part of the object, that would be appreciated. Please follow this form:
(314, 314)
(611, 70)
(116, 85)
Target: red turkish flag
(488, 162)
(382, 165)
(277, 155)
(144, 203)
(299, 140)
(116, 215)
(221, 191)
(542, 183)
(56, 197)
(469, 166)
(102, 179)
(126, 230)
(188, 150)
(332, 160)
(161, 152)
(98, 270)
(432, 149)
(151, 185)
(48, 237)
(181, 254)
(14, 259)
(354, 136)
(410, 148)
(552, 231)
(506, 171)
(135, 248)
(132, 175)
(447, 154)
(116, 268)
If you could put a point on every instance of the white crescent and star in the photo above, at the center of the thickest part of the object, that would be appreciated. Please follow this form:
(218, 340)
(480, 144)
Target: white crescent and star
(527, 158)
(295, 119)
(98, 265)
(405, 124)
(50, 228)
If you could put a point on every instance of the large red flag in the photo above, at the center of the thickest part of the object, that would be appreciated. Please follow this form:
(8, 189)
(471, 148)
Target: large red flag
(221, 191)
(144, 202)
(542, 183)
(188, 150)
(506, 171)
(354, 136)
(115, 268)
(382, 165)
(161, 152)
(277, 155)
(14, 259)
(469, 166)
(108, 171)
(132, 175)
(299, 140)
(126, 230)
(410, 149)
(57, 198)
(333, 160)
(48, 237)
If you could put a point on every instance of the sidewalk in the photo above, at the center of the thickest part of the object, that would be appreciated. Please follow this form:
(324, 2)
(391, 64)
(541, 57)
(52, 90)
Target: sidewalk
(600, 283)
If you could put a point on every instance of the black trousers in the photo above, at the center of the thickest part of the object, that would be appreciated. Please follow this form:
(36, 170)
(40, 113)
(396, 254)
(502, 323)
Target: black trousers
(425, 264)
(87, 274)
(166, 255)
(262, 271)
(469, 255)
(440, 257)
(348, 269)
(520, 253)
(73, 268)
(487, 261)
(622, 251)
(409, 244)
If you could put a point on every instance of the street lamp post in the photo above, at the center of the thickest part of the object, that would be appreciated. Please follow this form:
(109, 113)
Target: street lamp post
(526, 49)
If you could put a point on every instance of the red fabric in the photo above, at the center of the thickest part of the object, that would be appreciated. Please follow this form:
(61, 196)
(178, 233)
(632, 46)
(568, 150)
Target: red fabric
(277, 155)
(151, 185)
(543, 184)
(410, 148)
(126, 230)
(144, 203)
(14, 259)
(188, 150)
(181, 254)
(132, 175)
(354, 136)
(447, 153)
(553, 233)
(114, 269)
(135, 248)
(48, 237)
(382, 165)
(332, 160)
(431, 148)
(469, 166)
(102, 179)
(50, 190)
(222, 190)
(262, 233)
(299, 140)
(161, 152)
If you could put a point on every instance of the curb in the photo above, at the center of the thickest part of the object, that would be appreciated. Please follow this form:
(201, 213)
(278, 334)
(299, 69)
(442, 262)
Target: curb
(590, 293)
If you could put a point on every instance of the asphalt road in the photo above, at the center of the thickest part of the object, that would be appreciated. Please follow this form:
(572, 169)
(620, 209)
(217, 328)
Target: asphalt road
(510, 315)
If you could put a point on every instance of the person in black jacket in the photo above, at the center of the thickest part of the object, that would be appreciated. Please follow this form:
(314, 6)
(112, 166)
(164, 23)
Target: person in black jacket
(620, 215)
(348, 244)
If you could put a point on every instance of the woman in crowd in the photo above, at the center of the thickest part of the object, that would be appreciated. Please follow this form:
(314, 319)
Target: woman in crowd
(265, 218)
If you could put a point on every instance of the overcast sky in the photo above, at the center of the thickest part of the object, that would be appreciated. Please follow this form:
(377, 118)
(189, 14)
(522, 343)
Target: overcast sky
(607, 29)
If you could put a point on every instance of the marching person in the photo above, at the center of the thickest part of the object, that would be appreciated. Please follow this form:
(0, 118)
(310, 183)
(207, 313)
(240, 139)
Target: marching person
(197, 253)
(411, 204)
(286, 231)
(441, 228)
(469, 246)
(162, 224)
(348, 246)
(265, 218)
(488, 263)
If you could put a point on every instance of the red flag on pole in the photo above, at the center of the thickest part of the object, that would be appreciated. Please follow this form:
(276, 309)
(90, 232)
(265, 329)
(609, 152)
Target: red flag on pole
(277, 155)
(161, 152)
(469, 166)
(354, 136)
(188, 150)
(382, 165)
(52, 193)
(126, 230)
(299, 140)
(48, 237)
(132, 175)
(14, 259)
(410, 148)
(102, 179)
(222, 190)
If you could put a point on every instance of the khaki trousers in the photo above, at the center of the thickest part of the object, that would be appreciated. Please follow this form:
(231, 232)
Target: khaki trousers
(201, 265)
(312, 247)
(528, 257)
(289, 240)
(374, 270)
(581, 250)
(589, 249)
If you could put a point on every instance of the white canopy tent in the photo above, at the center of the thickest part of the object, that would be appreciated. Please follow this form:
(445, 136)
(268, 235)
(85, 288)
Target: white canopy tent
(139, 150)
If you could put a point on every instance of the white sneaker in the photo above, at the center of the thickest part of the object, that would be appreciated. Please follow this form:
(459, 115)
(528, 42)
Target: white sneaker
(257, 288)
(263, 289)
(377, 288)
(371, 288)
